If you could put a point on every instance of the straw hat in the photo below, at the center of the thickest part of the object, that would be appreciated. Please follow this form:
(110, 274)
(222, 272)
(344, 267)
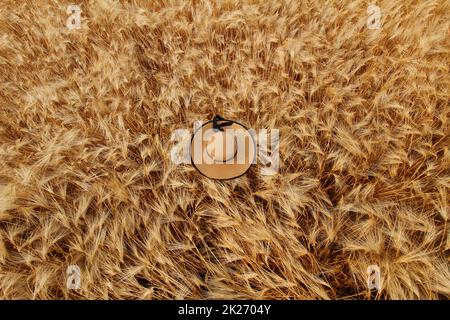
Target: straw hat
(222, 149)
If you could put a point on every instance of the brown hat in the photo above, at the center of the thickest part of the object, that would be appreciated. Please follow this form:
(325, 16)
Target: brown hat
(222, 149)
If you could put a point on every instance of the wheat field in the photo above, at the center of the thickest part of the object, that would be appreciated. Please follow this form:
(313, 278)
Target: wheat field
(86, 177)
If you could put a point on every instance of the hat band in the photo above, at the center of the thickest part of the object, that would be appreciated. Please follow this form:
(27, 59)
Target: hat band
(219, 126)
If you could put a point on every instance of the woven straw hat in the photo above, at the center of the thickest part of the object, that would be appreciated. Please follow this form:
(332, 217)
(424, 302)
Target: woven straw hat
(222, 149)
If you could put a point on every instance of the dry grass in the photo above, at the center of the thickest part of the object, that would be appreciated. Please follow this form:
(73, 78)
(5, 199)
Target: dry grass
(85, 172)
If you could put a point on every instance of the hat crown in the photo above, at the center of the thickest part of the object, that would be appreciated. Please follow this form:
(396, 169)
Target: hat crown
(221, 146)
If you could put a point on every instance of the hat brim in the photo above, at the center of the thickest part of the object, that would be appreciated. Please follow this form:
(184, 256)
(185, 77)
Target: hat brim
(220, 170)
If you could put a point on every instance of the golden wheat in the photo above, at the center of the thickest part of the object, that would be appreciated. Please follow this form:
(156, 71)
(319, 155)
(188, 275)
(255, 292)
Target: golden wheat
(86, 177)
